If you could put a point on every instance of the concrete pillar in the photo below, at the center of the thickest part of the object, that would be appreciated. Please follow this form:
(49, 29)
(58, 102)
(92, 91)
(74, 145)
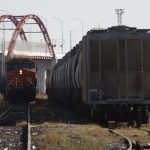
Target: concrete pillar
(42, 67)
(41, 80)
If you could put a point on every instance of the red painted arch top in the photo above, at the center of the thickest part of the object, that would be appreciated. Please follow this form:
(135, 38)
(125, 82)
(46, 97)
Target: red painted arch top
(15, 22)
(19, 29)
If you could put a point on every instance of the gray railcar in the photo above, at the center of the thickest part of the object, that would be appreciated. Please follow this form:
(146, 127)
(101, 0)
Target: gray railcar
(107, 73)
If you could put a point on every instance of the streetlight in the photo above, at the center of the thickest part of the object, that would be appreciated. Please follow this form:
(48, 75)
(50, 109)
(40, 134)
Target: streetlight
(46, 29)
(4, 46)
(3, 52)
(71, 39)
(62, 37)
(81, 24)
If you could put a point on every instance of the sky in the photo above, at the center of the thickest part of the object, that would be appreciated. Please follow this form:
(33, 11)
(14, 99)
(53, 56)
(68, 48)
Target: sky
(93, 14)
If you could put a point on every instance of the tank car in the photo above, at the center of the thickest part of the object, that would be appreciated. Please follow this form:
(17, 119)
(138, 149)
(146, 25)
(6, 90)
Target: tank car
(20, 80)
(107, 75)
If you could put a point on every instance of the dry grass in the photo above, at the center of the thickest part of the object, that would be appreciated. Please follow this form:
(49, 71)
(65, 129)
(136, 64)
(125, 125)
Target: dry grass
(75, 137)
(57, 133)
(146, 126)
(21, 123)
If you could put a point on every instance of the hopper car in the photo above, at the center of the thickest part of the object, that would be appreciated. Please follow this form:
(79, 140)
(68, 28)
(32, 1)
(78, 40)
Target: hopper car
(106, 75)
(20, 80)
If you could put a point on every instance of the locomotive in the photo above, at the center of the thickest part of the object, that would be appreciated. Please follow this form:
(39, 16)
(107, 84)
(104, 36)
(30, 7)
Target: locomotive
(20, 80)
(106, 75)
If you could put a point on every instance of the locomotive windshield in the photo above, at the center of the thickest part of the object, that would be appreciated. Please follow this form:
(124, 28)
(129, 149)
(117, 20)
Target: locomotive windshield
(12, 66)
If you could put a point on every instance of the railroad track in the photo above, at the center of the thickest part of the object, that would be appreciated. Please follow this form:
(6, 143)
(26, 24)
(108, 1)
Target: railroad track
(15, 128)
(29, 131)
(127, 141)
(135, 138)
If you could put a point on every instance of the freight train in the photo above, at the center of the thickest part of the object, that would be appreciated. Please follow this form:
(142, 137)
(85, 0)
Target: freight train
(2, 84)
(20, 80)
(106, 75)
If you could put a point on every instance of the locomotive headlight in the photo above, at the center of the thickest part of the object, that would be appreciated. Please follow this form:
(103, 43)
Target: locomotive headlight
(20, 71)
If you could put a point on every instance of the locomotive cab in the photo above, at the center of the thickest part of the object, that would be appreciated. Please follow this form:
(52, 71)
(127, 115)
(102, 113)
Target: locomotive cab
(20, 80)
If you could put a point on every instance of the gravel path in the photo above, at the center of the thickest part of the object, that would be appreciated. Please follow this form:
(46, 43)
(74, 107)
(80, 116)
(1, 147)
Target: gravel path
(11, 138)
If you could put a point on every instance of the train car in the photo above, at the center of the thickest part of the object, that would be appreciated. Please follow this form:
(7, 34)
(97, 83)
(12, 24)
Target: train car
(107, 75)
(20, 80)
(2, 85)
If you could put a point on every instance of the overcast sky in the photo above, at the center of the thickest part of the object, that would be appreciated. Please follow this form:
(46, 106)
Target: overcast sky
(93, 13)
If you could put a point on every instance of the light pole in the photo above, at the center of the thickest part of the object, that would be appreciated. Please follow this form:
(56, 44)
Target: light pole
(71, 39)
(47, 31)
(3, 52)
(62, 36)
(3, 48)
(81, 24)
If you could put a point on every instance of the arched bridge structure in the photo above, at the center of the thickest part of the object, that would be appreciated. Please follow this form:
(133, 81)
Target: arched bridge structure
(15, 22)
(19, 30)
(44, 62)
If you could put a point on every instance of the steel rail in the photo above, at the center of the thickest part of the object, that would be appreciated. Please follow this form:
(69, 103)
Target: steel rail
(126, 138)
(28, 129)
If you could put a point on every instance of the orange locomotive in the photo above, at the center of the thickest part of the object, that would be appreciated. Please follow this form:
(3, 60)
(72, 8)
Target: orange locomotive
(20, 80)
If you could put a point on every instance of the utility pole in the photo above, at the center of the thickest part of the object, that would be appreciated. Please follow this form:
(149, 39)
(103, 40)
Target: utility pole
(71, 39)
